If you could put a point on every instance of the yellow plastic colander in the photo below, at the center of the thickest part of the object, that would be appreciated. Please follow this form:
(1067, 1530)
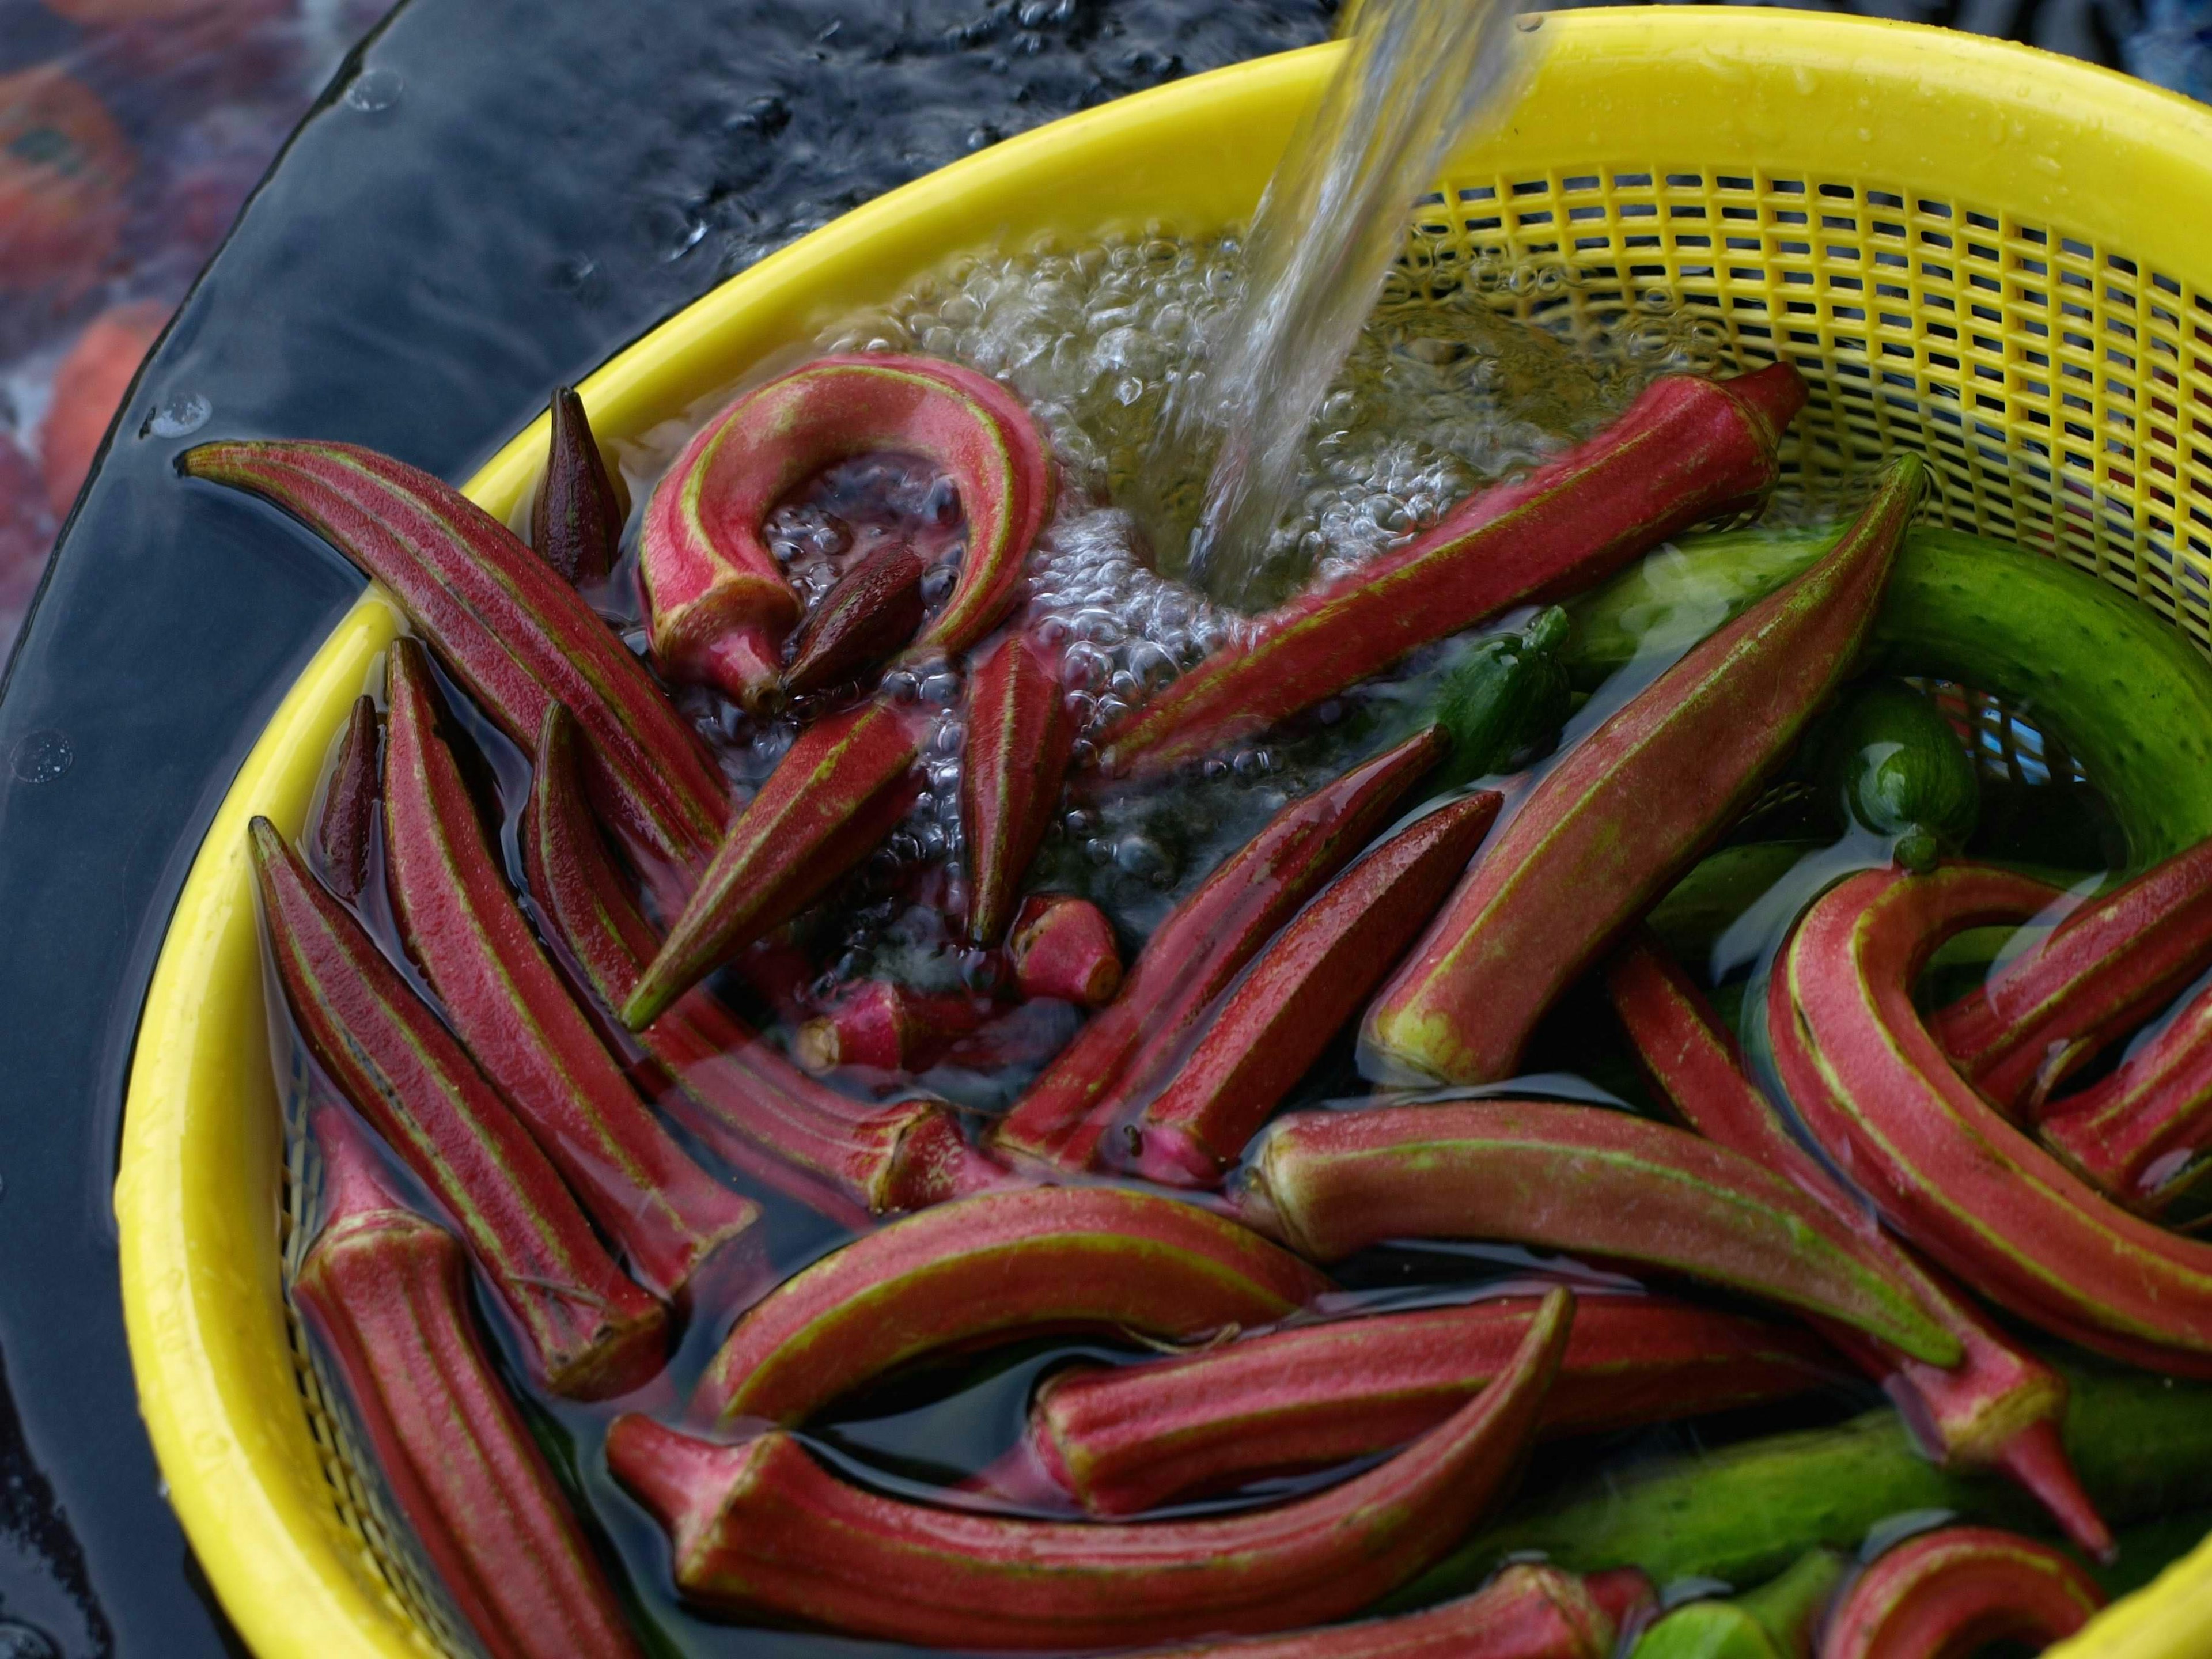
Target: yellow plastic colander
(1972, 249)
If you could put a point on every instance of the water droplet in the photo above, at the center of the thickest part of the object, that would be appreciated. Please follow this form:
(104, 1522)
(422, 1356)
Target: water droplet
(21, 1641)
(41, 757)
(374, 90)
(181, 413)
(1529, 24)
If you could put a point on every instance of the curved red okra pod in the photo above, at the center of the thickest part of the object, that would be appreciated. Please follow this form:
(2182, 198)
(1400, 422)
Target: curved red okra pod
(683, 1233)
(386, 1292)
(518, 636)
(1947, 1594)
(1581, 1179)
(348, 815)
(719, 603)
(762, 1527)
(1629, 808)
(2141, 1134)
(1526, 1611)
(2000, 1407)
(577, 518)
(1124, 1438)
(1019, 735)
(1193, 955)
(589, 1332)
(1311, 979)
(835, 794)
(728, 1086)
(1687, 450)
(2110, 963)
(1049, 1257)
(1944, 1165)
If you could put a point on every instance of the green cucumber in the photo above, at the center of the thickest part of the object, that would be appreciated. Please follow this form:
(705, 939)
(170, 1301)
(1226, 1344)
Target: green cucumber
(1898, 769)
(1774, 1621)
(2141, 1443)
(2126, 694)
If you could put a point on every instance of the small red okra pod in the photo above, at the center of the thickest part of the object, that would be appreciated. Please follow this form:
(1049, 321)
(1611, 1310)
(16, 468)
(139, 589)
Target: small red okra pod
(836, 793)
(1063, 947)
(386, 1293)
(576, 519)
(886, 1026)
(1018, 739)
(873, 611)
(344, 829)
(1947, 1594)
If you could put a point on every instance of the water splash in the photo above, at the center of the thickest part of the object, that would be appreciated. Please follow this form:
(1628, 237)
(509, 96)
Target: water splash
(1417, 77)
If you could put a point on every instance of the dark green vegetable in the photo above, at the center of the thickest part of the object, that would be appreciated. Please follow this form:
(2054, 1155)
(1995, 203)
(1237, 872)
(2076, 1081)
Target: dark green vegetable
(1507, 696)
(1774, 1621)
(2126, 693)
(1897, 768)
(2141, 1443)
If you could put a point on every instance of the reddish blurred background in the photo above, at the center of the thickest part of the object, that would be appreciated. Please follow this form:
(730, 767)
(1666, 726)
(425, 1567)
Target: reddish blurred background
(130, 133)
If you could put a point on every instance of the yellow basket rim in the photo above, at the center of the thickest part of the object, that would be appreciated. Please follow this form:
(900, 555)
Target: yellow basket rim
(246, 1483)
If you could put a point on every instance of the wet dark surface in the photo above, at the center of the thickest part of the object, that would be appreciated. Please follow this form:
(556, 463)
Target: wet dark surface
(495, 198)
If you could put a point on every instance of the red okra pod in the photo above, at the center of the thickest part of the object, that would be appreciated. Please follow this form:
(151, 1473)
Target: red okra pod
(1687, 450)
(1019, 735)
(763, 1527)
(886, 1026)
(1123, 1439)
(728, 1086)
(682, 1231)
(1312, 977)
(831, 798)
(590, 1332)
(517, 635)
(386, 1293)
(576, 518)
(871, 611)
(2107, 965)
(1627, 810)
(2139, 1134)
(1526, 1611)
(1063, 947)
(997, 1266)
(1947, 1594)
(721, 606)
(2000, 1407)
(1194, 954)
(1580, 1179)
(1944, 1165)
(343, 827)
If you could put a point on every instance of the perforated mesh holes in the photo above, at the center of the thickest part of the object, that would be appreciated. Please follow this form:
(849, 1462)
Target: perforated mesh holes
(2062, 394)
